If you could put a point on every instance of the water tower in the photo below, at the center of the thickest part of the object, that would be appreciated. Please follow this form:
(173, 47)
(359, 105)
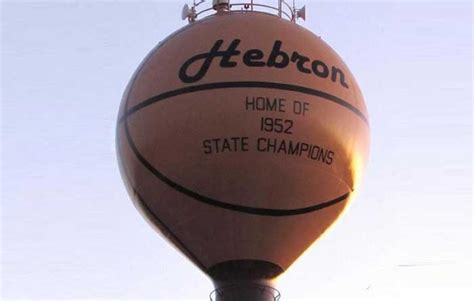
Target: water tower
(241, 137)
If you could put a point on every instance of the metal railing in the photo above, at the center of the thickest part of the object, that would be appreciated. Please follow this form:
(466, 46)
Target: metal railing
(282, 9)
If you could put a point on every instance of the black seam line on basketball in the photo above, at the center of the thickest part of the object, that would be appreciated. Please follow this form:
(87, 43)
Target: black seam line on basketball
(175, 237)
(216, 203)
(144, 206)
(245, 84)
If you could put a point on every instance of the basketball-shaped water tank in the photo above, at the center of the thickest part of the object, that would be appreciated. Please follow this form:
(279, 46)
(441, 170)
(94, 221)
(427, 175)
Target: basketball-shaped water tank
(242, 137)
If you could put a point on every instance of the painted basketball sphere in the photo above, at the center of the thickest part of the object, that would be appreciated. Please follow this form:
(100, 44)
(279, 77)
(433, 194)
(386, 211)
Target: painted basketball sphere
(241, 137)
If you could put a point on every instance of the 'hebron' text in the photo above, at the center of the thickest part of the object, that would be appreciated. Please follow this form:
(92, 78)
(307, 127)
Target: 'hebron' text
(277, 58)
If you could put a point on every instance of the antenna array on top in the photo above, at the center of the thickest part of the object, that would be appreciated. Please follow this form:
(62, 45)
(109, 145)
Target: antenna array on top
(283, 9)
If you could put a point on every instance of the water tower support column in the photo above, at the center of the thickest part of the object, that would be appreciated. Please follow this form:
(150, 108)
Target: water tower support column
(256, 290)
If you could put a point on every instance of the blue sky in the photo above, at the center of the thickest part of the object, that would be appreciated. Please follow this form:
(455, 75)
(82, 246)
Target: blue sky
(69, 229)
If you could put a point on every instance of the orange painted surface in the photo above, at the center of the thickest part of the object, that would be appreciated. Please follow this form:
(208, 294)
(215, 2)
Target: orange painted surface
(242, 136)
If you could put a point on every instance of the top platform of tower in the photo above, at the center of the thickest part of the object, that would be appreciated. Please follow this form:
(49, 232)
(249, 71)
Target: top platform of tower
(281, 8)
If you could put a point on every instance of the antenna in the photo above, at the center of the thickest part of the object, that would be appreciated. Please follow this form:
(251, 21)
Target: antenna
(301, 13)
(190, 12)
(185, 12)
